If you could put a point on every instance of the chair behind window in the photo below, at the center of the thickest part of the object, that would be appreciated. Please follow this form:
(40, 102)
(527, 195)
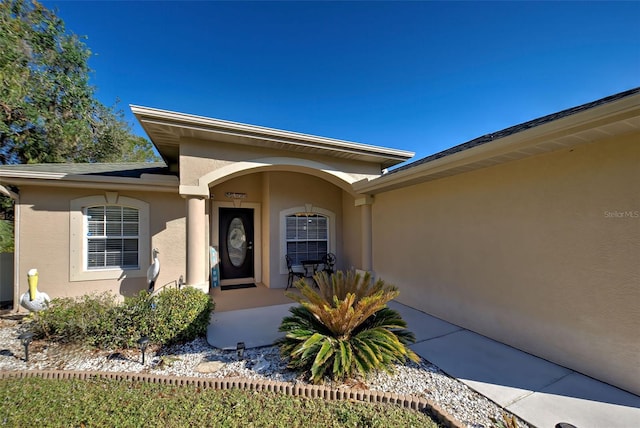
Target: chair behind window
(293, 273)
(329, 262)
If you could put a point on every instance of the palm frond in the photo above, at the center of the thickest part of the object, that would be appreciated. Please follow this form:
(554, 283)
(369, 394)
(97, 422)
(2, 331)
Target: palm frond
(321, 361)
(345, 327)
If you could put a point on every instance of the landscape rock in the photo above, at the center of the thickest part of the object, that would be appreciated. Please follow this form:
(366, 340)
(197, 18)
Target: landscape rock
(198, 359)
(209, 367)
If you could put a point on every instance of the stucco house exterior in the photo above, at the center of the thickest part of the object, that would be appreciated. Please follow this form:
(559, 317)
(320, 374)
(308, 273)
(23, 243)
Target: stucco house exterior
(530, 235)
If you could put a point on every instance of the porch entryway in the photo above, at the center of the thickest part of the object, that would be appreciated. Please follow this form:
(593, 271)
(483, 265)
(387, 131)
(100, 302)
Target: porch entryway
(249, 298)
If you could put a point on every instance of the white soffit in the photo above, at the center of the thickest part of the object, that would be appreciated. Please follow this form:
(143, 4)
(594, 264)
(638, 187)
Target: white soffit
(167, 128)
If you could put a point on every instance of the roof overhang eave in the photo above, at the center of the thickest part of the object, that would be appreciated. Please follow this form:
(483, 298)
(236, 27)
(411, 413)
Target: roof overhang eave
(181, 124)
(147, 182)
(526, 143)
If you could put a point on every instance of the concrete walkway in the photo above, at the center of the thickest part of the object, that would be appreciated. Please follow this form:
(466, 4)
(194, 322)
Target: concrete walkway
(538, 391)
(255, 327)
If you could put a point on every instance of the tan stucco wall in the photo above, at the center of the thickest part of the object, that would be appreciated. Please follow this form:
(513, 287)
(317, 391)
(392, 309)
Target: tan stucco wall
(287, 190)
(351, 257)
(250, 184)
(199, 158)
(45, 240)
(541, 253)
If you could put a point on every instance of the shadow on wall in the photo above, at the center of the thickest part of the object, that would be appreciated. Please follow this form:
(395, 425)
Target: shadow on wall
(132, 286)
(129, 287)
(6, 279)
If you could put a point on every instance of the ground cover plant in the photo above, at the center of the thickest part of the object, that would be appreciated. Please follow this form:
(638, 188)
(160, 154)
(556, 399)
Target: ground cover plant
(108, 403)
(170, 316)
(344, 328)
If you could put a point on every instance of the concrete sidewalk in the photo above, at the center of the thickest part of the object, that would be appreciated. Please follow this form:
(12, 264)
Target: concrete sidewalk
(538, 391)
(255, 327)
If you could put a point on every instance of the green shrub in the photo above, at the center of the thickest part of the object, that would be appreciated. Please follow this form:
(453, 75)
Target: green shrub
(97, 320)
(75, 320)
(180, 315)
(345, 328)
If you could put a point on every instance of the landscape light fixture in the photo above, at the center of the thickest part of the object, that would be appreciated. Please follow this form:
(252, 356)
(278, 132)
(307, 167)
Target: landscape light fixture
(240, 349)
(26, 339)
(143, 342)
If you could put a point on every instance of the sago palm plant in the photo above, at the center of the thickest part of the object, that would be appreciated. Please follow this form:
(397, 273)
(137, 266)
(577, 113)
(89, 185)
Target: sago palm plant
(344, 328)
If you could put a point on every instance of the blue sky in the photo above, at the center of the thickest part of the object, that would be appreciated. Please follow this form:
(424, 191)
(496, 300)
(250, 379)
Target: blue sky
(418, 76)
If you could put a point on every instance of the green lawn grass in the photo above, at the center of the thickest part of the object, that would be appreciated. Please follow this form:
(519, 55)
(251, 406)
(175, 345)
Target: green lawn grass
(108, 403)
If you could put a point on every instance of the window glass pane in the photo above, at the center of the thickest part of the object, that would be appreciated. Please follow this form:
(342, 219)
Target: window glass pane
(114, 213)
(95, 229)
(130, 259)
(130, 245)
(302, 228)
(130, 214)
(114, 244)
(237, 242)
(312, 228)
(291, 249)
(114, 229)
(95, 260)
(130, 229)
(96, 245)
(291, 227)
(113, 259)
(95, 213)
(323, 229)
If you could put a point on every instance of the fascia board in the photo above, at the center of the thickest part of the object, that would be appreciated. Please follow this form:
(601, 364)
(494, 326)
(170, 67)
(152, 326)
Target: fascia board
(624, 109)
(168, 118)
(150, 184)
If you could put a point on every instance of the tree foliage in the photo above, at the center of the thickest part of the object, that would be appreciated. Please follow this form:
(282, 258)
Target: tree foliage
(6, 236)
(48, 109)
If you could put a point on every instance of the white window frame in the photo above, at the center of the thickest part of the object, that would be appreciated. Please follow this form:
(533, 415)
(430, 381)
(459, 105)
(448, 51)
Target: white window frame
(331, 225)
(105, 235)
(78, 270)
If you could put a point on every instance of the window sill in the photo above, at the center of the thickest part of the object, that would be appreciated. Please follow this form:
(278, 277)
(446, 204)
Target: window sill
(98, 274)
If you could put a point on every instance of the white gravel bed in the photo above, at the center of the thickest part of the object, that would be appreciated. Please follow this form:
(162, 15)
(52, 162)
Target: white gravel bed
(423, 379)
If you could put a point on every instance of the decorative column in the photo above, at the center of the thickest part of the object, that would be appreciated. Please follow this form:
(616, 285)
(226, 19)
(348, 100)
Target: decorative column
(196, 251)
(366, 232)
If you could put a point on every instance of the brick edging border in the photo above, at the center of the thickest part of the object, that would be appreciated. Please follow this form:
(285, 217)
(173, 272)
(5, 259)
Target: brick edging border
(309, 391)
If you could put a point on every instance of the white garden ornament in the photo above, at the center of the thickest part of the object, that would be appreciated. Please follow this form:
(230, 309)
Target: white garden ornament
(33, 299)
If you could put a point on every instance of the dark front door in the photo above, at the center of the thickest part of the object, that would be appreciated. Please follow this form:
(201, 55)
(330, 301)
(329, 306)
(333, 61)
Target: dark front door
(236, 243)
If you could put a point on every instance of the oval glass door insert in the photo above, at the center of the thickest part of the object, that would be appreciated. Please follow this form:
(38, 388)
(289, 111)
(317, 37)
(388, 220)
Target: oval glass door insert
(237, 242)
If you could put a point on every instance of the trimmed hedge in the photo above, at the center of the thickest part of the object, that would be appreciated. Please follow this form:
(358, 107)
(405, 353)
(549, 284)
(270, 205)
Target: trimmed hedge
(170, 316)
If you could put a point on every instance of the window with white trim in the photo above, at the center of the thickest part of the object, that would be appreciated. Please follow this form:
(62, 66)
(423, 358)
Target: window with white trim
(307, 236)
(112, 237)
